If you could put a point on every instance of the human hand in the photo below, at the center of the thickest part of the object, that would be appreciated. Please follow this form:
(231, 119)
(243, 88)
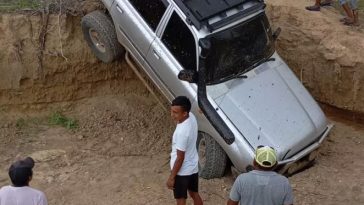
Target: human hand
(170, 182)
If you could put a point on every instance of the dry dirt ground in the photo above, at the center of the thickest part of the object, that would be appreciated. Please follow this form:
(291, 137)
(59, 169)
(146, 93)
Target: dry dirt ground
(120, 152)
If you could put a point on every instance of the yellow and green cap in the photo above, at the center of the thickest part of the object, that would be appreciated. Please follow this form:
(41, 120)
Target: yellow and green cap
(265, 156)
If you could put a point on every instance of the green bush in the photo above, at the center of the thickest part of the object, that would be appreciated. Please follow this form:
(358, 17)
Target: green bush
(58, 118)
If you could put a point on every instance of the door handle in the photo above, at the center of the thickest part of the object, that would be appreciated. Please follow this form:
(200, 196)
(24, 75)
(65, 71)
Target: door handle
(119, 9)
(156, 54)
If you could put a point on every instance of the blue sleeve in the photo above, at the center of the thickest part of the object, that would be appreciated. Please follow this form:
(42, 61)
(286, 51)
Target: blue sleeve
(288, 198)
(236, 190)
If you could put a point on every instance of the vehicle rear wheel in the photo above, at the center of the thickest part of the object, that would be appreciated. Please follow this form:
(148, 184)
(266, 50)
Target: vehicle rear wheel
(212, 158)
(99, 32)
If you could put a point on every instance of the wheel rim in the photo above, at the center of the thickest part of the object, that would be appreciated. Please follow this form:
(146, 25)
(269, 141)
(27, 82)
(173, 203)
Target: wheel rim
(96, 41)
(202, 152)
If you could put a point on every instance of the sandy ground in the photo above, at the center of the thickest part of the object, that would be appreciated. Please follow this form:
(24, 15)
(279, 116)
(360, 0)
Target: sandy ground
(120, 152)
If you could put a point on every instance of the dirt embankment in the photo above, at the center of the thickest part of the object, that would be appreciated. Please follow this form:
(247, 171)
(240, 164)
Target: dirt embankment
(47, 61)
(326, 55)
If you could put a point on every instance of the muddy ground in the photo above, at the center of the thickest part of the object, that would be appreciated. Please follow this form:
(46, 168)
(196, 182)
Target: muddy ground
(120, 152)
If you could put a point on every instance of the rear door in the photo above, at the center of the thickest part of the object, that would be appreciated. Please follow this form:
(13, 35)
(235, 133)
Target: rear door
(138, 21)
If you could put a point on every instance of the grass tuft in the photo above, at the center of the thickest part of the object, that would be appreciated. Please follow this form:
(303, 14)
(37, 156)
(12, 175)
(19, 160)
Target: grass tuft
(20, 123)
(13, 5)
(58, 118)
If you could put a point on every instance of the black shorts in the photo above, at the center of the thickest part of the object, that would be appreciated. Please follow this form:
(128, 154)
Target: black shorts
(184, 183)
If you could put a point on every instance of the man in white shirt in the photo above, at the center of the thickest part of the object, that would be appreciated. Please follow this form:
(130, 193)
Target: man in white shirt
(21, 173)
(184, 156)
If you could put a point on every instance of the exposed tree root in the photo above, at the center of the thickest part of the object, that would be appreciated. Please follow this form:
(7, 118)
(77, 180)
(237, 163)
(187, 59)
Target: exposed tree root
(42, 40)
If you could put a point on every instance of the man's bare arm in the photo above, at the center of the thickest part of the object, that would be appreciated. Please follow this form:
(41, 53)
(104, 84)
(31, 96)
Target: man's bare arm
(178, 163)
(231, 202)
(176, 167)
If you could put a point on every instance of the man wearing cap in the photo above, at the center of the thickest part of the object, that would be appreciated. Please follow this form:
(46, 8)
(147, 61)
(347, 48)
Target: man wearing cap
(262, 186)
(21, 173)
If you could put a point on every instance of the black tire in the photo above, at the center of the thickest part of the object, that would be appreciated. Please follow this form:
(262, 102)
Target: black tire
(99, 32)
(212, 158)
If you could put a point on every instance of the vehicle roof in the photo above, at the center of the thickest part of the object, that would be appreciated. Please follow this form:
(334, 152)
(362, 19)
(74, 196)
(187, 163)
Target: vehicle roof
(215, 14)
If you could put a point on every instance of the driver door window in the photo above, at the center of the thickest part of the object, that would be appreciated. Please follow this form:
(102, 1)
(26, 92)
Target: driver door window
(173, 51)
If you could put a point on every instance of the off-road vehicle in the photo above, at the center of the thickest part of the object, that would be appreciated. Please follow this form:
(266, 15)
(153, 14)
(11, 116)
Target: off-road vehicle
(221, 54)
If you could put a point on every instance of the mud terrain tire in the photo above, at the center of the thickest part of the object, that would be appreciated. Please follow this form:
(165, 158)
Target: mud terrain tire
(99, 32)
(212, 158)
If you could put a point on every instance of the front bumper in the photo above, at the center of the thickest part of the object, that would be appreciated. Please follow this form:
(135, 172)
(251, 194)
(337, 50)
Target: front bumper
(293, 164)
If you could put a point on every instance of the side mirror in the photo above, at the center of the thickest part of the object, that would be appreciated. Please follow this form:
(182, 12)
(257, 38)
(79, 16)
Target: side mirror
(190, 76)
(276, 33)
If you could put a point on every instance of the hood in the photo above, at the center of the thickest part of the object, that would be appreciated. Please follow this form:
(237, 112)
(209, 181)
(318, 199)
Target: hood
(271, 107)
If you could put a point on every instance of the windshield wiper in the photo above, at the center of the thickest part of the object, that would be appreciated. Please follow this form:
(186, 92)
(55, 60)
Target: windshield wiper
(240, 75)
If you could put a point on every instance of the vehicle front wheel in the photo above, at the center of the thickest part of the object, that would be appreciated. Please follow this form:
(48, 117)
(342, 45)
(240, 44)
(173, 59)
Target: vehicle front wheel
(99, 32)
(212, 158)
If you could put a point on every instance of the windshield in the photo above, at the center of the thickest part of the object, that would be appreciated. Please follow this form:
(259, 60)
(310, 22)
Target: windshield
(235, 50)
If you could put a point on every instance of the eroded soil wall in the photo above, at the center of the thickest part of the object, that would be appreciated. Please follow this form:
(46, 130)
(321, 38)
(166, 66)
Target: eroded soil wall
(47, 61)
(327, 56)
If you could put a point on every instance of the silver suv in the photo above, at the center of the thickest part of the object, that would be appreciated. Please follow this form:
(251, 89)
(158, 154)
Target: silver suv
(221, 55)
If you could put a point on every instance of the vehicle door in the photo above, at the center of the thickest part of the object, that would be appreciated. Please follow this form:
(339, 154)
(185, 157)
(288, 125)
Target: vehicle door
(137, 21)
(173, 50)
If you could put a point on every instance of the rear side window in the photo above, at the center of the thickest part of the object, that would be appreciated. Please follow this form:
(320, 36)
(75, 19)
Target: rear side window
(151, 10)
(180, 42)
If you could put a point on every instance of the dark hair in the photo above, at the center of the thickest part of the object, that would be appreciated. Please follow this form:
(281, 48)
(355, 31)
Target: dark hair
(182, 101)
(272, 168)
(20, 176)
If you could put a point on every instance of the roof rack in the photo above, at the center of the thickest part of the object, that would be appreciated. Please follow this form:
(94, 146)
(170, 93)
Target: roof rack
(215, 14)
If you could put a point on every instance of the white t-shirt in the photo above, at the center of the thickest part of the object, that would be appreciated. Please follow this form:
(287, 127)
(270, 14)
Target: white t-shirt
(184, 139)
(25, 195)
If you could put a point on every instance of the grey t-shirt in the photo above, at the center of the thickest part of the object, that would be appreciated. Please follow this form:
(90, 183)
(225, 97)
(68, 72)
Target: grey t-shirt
(263, 188)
